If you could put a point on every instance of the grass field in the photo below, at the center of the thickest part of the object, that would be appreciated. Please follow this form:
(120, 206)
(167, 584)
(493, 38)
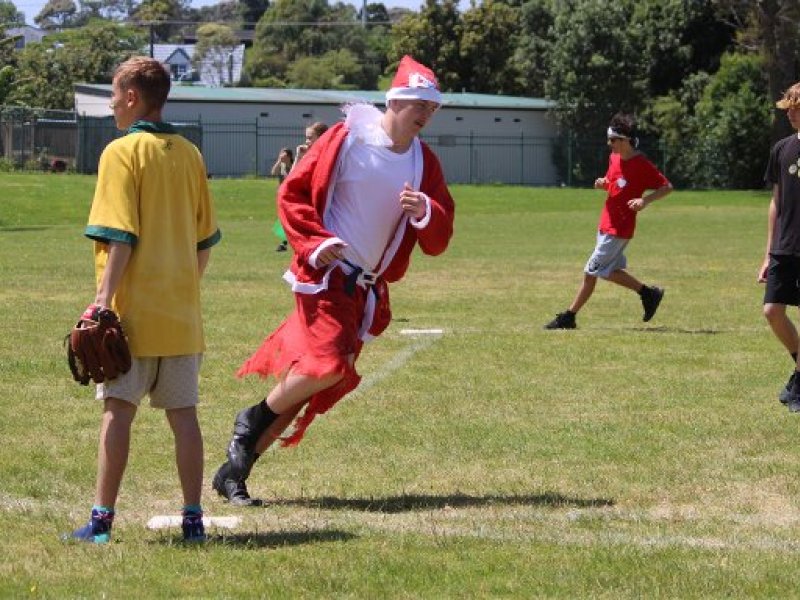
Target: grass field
(620, 460)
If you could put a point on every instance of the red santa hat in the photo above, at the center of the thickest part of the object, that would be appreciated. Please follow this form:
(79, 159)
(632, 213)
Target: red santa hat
(414, 81)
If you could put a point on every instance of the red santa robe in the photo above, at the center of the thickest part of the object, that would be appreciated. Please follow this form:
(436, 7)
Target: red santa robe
(328, 323)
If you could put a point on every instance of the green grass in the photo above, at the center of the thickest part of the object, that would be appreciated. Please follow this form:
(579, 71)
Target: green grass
(621, 460)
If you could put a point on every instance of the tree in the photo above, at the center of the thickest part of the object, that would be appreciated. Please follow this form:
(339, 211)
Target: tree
(8, 71)
(597, 68)
(56, 14)
(488, 41)
(531, 55)
(433, 37)
(731, 126)
(48, 70)
(336, 70)
(771, 27)
(252, 11)
(9, 15)
(292, 31)
(117, 10)
(166, 16)
(375, 13)
(227, 11)
(215, 47)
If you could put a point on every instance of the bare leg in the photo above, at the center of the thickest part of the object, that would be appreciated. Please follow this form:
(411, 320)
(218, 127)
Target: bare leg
(584, 293)
(288, 397)
(625, 279)
(113, 449)
(275, 430)
(188, 452)
(782, 326)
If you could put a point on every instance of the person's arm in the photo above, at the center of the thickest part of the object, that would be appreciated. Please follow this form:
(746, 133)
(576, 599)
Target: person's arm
(202, 260)
(276, 168)
(639, 204)
(772, 215)
(297, 211)
(119, 255)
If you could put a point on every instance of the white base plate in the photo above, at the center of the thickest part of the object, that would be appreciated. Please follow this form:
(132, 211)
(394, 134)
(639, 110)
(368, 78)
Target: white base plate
(421, 331)
(167, 521)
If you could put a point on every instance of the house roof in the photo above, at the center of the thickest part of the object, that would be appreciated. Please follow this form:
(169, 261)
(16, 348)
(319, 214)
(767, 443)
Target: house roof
(328, 97)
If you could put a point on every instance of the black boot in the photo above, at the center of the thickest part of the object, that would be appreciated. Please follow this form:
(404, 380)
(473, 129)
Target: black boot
(235, 491)
(249, 425)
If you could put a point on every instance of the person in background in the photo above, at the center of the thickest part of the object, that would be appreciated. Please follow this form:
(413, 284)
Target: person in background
(629, 175)
(313, 133)
(283, 165)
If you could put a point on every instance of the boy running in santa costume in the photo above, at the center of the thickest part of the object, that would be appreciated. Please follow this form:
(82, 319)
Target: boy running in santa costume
(366, 194)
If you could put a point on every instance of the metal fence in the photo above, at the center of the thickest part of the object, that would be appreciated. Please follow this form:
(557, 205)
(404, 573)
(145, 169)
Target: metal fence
(249, 148)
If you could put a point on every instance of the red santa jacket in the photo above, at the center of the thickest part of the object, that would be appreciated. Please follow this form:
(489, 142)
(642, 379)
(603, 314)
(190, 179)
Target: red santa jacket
(305, 193)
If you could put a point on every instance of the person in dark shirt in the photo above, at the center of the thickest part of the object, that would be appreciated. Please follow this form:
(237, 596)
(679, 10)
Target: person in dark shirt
(780, 269)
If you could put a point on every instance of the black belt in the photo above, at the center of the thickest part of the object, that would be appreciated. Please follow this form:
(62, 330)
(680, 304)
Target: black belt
(351, 279)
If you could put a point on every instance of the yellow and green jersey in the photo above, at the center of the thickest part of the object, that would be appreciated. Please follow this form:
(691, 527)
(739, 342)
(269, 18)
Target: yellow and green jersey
(152, 193)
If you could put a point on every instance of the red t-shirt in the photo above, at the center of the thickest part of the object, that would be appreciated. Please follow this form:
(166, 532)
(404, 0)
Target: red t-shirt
(627, 179)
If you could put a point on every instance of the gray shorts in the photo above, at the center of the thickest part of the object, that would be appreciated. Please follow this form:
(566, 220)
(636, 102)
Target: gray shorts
(608, 256)
(170, 381)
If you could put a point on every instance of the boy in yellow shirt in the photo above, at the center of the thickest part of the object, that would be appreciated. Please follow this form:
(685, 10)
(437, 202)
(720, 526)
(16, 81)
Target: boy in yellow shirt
(153, 225)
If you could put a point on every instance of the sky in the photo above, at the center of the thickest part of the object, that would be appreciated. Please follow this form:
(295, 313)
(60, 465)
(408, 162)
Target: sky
(31, 8)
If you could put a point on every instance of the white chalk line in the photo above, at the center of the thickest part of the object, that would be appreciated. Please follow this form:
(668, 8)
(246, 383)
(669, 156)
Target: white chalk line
(423, 339)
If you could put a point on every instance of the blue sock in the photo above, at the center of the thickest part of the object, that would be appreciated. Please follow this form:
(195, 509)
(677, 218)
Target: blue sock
(192, 508)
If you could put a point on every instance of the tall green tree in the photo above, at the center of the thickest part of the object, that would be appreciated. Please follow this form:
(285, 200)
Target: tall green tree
(56, 14)
(337, 70)
(597, 68)
(314, 32)
(9, 15)
(165, 17)
(731, 133)
(531, 57)
(252, 11)
(8, 70)
(489, 38)
(433, 37)
(48, 70)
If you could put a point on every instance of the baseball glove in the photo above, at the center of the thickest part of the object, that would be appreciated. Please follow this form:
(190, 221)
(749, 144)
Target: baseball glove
(97, 348)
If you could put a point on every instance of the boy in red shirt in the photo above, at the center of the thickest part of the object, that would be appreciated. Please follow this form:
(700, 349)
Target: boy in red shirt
(629, 175)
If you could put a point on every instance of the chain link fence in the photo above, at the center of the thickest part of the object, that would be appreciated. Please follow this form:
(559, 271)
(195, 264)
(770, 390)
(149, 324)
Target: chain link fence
(60, 140)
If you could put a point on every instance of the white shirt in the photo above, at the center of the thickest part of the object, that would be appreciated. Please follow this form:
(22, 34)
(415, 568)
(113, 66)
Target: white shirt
(365, 208)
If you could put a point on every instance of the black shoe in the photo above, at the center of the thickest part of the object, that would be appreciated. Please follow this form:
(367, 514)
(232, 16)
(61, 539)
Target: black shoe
(250, 423)
(793, 399)
(282, 247)
(564, 320)
(234, 491)
(787, 389)
(651, 298)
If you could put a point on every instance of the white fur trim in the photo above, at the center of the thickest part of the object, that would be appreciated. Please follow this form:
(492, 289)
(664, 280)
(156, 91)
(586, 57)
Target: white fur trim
(418, 93)
(312, 260)
(310, 287)
(423, 222)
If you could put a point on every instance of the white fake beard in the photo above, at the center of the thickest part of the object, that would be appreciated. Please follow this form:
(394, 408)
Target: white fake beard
(364, 122)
